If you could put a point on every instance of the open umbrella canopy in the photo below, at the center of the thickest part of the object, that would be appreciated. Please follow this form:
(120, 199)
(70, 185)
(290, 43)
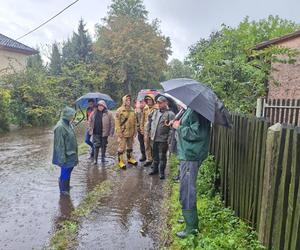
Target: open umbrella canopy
(199, 98)
(82, 101)
(171, 101)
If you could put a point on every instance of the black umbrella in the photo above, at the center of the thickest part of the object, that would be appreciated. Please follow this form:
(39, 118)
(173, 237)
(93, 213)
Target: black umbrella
(199, 98)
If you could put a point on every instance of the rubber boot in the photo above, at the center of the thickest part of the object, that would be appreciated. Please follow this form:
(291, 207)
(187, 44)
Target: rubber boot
(161, 169)
(154, 169)
(92, 152)
(121, 163)
(103, 152)
(96, 154)
(148, 163)
(64, 187)
(130, 158)
(191, 221)
(143, 157)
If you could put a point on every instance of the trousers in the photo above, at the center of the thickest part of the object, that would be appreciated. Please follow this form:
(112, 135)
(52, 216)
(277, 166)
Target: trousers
(188, 189)
(65, 173)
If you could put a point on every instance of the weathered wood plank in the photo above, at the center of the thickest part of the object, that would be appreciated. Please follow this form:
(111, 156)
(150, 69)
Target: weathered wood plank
(294, 186)
(271, 160)
(283, 192)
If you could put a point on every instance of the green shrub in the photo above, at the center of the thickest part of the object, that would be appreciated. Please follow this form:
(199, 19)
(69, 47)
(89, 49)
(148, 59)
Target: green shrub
(4, 109)
(219, 227)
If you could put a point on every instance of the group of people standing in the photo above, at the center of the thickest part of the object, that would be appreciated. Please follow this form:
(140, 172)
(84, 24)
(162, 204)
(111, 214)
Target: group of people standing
(153, 122)
(150, 122)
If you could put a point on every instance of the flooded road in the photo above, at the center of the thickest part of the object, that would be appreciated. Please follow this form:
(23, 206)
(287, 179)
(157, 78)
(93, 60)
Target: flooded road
(31, 206)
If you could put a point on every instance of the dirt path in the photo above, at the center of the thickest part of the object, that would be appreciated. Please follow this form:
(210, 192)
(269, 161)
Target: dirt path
(31, 206)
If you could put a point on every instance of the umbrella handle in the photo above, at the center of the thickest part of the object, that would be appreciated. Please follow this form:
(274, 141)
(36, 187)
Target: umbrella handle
(77, 123)
(179, 114)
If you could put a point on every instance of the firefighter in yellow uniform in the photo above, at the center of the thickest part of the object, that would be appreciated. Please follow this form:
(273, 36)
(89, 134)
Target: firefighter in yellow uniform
(150, 107)
(126, 130)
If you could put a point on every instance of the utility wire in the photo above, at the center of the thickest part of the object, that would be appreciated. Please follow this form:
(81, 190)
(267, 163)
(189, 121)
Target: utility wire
(47, 21)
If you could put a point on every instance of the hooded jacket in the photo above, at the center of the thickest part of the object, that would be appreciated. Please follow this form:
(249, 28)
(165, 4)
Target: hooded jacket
(146, 112)
(65, 148)
(108, 123)
(125, 120)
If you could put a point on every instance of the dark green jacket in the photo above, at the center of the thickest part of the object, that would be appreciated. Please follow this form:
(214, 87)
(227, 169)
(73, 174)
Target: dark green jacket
(65, 151)
(193, 137)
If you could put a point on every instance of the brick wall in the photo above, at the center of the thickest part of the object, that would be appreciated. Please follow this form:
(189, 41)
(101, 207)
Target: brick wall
(288, 76)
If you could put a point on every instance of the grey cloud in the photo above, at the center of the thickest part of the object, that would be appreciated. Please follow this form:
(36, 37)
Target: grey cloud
(185, 22)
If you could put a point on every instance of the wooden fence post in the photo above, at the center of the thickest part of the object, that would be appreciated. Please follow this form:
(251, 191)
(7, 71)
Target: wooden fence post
(259, 107)
(267, 202)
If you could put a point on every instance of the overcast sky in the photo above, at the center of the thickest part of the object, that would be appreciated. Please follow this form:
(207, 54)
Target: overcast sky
(184, 21)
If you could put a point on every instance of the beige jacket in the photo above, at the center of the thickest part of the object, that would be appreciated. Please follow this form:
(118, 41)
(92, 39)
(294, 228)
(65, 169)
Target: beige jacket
(107, 122)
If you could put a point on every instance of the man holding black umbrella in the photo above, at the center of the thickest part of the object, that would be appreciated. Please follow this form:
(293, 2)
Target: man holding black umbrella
(193, 132)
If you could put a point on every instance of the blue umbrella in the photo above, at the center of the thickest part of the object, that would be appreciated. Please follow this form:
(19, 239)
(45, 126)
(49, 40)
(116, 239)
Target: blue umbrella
(82, 101)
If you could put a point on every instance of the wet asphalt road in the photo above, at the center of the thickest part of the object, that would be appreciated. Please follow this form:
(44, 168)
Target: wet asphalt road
(31, 206)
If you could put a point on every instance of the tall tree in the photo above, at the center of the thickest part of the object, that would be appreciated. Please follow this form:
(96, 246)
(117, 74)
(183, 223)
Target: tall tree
(55, 61)
(130, 8)
(78, 49)
(35, 61)
(135, 51)
(228, 63)
(178, 69)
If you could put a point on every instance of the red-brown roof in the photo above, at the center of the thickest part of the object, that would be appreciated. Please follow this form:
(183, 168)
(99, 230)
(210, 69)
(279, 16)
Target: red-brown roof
(277, 40)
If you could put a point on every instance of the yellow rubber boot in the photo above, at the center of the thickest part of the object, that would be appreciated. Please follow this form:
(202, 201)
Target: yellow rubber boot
(121, 163)
(130, 158)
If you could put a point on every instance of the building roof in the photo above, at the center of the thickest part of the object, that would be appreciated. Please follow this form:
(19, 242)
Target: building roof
(277, 40)
(13, 45)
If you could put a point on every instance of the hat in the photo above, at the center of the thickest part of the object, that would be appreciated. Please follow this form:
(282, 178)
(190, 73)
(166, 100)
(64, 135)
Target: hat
(162, 99)
(150, 96)
(68, 113)
(102, 103)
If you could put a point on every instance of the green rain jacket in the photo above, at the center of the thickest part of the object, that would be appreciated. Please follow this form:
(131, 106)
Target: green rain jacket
(193, 137)
(65, 151)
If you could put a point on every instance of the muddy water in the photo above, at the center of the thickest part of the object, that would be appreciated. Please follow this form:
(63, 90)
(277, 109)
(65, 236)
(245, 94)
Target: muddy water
(31, 206)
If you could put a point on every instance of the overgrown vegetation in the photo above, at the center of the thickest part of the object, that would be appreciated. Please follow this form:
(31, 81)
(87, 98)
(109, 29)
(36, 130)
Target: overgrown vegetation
(219, 227)
(65, 236)
(4, 107)
(229, 64)
(129, 53)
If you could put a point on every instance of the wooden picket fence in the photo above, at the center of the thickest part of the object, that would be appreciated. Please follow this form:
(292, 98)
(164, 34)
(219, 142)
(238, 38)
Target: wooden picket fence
(259, 169)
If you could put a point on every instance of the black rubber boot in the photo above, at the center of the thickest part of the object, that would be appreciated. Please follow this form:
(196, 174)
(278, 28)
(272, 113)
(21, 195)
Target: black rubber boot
(143, 157)
(96, 156)
(148, 163)
(161, 169)
(103, 152)
(154, 169)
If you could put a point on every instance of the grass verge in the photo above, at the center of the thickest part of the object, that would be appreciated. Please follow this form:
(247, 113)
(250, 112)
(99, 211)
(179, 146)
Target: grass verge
(219, 227)
(65, 236)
